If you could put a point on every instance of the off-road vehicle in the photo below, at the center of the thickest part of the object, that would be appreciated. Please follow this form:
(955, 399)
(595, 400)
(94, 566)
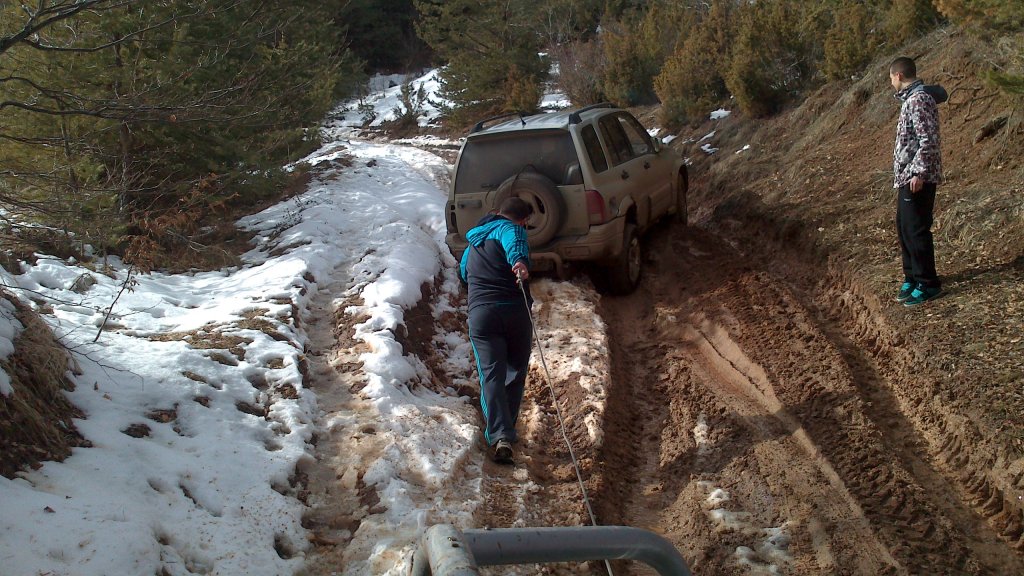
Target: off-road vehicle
(594, 176)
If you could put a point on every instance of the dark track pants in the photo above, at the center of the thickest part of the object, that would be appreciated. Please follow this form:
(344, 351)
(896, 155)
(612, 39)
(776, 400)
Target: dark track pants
(914, 228)
(501, 335)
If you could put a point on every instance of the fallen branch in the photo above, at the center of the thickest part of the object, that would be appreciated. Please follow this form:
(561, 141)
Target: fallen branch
(124, 286)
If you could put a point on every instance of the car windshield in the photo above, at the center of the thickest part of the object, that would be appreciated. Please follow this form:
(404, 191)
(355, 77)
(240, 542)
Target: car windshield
(487, 161)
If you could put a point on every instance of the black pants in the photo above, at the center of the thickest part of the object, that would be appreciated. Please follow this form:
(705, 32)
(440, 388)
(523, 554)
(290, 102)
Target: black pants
(914, 228)
(501, 335)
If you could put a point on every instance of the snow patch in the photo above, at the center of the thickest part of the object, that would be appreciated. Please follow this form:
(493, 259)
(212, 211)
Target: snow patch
(701, 434)
(768, 550)
(10, 329)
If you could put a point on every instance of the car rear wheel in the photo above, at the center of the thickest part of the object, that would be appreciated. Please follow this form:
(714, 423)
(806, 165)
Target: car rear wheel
(541, 193)
(624, 272)
(682, 188)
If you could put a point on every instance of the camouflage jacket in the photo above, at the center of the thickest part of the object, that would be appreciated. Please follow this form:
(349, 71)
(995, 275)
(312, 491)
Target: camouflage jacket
(917, 137)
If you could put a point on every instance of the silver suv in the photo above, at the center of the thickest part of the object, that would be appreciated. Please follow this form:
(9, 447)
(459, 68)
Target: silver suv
(595, 178)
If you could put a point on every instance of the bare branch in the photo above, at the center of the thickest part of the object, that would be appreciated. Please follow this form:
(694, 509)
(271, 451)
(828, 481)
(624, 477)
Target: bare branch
(121, 40)
(128, 281)
(48, 15)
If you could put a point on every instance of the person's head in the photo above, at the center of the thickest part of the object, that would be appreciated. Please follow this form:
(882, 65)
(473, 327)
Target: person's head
(516, 209)
(902, 72)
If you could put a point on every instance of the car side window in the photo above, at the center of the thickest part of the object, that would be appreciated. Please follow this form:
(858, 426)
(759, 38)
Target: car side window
(619, 147)
(594, 150)
(639, 140)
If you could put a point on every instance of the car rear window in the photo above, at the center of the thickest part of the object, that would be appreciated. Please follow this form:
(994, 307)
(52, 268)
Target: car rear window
(487, 161)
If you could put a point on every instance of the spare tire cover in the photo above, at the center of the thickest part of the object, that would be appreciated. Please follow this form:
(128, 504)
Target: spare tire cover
(540, 192)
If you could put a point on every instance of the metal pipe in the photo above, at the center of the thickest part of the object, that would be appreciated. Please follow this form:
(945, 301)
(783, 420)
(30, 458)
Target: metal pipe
(574, 544)
(443, 552)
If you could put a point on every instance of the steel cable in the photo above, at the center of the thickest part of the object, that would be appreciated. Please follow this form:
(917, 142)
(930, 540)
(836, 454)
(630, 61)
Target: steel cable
(558, 414)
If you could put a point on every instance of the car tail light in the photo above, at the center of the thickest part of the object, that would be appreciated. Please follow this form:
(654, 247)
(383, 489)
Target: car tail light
(597, 208)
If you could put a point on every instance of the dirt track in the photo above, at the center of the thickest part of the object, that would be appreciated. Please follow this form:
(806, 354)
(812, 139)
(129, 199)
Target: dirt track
(745, 425)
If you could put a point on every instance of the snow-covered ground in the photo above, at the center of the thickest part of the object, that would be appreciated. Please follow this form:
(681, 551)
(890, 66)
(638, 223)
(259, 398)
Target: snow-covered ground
(195, 400)
(195, 404)
(384, 101)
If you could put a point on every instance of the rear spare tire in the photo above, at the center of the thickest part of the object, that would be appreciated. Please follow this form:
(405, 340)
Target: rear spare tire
(540, 192)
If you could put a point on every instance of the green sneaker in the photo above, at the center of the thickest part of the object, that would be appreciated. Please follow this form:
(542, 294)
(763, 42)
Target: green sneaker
(905, 291)
(922, 294)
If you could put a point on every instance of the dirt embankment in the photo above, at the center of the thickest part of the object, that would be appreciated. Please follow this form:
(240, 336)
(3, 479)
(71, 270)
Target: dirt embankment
(779, 407)
(36, 424)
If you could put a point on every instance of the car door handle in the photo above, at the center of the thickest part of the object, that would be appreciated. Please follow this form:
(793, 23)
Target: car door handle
(625, 175)
(464, 204)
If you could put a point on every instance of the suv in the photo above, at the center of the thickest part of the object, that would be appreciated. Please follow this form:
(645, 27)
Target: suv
(595, 178)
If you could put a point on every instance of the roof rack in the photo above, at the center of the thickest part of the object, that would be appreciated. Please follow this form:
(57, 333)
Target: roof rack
(480, 125)
(574, 118)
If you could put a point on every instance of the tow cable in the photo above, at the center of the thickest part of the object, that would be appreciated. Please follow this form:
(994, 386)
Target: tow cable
(558, 413)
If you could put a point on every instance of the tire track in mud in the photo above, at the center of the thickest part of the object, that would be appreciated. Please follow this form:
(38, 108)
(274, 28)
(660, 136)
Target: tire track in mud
(541, 489)
(749, 430)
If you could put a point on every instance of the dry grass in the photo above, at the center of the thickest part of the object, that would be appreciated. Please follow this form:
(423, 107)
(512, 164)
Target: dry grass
(36, 419)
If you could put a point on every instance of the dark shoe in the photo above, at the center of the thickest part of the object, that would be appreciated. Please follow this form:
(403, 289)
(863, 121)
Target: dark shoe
(502, 452)
(921, 295)
(905, 291)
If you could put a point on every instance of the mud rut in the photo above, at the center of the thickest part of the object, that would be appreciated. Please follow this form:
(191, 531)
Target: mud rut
(744, 424)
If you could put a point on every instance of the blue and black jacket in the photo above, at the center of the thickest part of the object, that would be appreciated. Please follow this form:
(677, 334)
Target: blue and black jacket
(495, 245)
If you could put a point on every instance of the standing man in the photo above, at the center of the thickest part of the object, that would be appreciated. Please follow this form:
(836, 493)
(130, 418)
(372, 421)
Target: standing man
(494, 265)
(917, 164)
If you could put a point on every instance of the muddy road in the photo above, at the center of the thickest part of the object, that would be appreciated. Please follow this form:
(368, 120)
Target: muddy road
(743, 420)
(733, 404)
(745, 425)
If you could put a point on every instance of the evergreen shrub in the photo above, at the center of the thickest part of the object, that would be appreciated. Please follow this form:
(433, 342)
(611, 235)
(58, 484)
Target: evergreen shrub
(633, 55)
(692, 82)
(773, 58)
(852, 41)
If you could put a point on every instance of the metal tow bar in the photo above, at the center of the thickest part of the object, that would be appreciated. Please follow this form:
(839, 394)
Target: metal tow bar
(445, 551)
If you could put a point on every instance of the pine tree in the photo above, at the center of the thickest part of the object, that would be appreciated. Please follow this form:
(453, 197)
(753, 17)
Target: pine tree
(491, 53)
(383, 34)
(144, 116)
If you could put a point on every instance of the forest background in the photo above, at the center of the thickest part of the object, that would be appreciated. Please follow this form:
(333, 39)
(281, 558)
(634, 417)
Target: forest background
(132, 127)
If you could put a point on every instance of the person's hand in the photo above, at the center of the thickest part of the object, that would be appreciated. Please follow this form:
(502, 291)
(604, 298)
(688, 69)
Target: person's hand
(916, 184)
(521, 271)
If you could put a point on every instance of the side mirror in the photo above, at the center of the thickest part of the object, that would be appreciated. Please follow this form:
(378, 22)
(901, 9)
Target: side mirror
(657, 144)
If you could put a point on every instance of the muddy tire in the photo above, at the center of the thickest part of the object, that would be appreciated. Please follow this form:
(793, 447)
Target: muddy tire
(541, 193)
(682, 190)
(624, 272)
